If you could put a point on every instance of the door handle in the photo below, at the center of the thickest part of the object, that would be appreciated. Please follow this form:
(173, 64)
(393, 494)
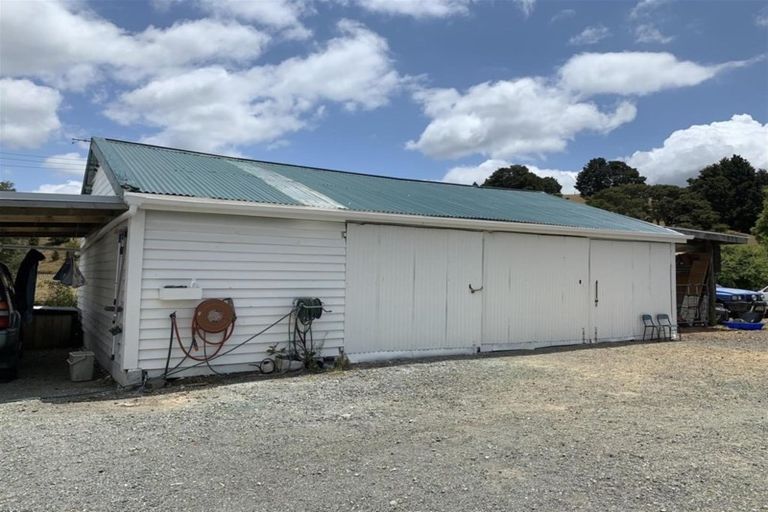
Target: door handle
(473, 290)
(597, 292)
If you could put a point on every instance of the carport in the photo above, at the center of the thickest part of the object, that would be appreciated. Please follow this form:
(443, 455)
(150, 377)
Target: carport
(25, 214)
(28, 215)
(697, 266)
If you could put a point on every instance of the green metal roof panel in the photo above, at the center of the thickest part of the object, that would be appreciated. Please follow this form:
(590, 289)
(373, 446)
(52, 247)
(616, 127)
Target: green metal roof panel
(141, 168)
(156, 170)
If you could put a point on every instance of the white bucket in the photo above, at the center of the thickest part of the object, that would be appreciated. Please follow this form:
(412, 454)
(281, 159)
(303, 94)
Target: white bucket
(81, 365)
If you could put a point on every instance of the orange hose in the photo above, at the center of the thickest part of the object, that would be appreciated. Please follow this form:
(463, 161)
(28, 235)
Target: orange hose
(212, 316)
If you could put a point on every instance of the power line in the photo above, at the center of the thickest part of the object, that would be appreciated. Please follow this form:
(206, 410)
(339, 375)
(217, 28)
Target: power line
(50, 165)
(42, 164)
(34, 155)
(37, 159)
(21, 166)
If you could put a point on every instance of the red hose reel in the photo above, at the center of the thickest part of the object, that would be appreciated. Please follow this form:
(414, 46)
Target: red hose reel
(211, 317)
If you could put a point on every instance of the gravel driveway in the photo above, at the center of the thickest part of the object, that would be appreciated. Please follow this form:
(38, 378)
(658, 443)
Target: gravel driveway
(665, 426)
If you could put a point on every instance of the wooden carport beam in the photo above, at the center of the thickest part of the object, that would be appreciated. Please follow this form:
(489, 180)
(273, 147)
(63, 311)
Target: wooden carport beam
(68, 231)
(712, 282)
(24, 214)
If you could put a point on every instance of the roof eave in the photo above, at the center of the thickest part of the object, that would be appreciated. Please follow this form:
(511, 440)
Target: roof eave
(220, 206)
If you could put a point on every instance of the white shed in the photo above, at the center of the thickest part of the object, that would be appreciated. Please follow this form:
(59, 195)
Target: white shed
(406, 268)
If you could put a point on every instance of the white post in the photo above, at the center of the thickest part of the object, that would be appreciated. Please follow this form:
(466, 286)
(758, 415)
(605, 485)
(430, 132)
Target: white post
(132, 301)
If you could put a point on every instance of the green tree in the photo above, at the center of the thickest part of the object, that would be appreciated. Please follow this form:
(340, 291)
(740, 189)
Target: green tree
(520, 178)
(599, 175)
(744, 266)
(631, 200)
(761, 226)
(668, 205)
(734, 189)
(7, 186)
(671, 205)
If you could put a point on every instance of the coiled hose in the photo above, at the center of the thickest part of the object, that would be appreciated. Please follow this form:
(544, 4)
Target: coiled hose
(206, 359)
(211, 317)
(217, 316)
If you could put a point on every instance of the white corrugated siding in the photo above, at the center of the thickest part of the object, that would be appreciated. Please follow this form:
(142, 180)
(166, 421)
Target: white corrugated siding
(262, 264)
(535, 290)
(408, 289)
(98, 263)
(101, 185)
(632, 278)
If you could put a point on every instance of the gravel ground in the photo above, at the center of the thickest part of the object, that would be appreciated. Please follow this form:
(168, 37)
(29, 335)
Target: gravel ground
(664, 426)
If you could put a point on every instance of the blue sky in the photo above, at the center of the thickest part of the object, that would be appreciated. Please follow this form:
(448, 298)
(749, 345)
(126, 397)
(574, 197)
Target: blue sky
(429, 89)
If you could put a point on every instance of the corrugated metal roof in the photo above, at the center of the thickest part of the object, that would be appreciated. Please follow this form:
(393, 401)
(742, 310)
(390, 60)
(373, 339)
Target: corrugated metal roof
(157, 170)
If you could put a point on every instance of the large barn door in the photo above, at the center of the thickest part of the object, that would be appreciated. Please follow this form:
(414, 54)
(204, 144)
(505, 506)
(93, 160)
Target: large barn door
(535, 291)
(408, 290)
(628, 279)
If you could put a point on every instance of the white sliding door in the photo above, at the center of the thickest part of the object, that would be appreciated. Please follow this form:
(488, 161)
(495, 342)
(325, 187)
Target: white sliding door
(535, 291)
(408, 289)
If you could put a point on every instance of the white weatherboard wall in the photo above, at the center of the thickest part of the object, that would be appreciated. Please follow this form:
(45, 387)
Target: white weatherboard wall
(98, 263)
(101, 185)
(262, 264)
(408, 291)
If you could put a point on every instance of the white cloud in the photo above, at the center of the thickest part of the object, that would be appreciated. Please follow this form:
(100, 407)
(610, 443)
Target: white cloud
(67, 163)
(514, 118)
(635, 72)
(645, 8)
(468, 174)
(648, 33)
(761, 20)
(591, 35)
(646, 19)
(478, 173)
(214, 109)
(27, 113)
(563, 15)
(68, 187)
(687, 151)
(430, 8)
(532, 116)
(278, 14)
(73, 47)
(526, 6)
(417, 8)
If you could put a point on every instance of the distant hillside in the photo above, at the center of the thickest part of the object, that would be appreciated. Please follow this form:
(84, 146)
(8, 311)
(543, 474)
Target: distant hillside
(576, 198)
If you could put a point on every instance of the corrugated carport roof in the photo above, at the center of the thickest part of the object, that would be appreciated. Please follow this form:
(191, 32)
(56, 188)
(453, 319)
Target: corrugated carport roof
(25, 214)
(713, 236)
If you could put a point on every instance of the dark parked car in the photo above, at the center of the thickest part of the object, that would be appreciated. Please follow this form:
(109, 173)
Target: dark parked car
(738, 301)
(10, 327)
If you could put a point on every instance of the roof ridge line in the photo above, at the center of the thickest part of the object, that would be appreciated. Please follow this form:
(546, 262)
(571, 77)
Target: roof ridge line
(324, 169)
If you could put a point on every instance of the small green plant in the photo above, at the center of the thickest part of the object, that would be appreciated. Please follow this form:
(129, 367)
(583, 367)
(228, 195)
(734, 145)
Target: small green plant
(341, 363)
(273, 351)
(60, 295)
